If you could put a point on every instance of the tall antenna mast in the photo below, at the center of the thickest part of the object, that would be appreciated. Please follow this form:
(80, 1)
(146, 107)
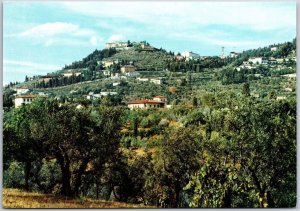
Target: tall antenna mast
(222, 52)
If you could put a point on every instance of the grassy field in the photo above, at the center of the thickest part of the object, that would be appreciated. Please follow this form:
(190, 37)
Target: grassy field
(14, 198)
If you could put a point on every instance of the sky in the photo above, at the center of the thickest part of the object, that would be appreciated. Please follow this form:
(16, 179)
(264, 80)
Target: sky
(41, 37)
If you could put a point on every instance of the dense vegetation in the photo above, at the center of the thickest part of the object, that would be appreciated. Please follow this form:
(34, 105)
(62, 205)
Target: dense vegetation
(229, 139)
(223, 154)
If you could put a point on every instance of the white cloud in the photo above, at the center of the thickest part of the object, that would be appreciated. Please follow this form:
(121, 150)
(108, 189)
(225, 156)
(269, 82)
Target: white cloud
(116, 37)
(50, 29)
(60, 33)
(15, 70)
(256, 15)
(28, 64)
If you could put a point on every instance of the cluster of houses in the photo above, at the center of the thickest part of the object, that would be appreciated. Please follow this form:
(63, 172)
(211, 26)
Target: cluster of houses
(24, 97)
(253, 61)
(119, 46)
(187, 55)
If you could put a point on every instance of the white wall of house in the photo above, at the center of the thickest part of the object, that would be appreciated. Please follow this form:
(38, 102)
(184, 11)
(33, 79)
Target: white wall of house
(21, 101)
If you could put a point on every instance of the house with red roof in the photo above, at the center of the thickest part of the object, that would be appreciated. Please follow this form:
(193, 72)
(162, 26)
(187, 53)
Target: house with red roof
(156, 102)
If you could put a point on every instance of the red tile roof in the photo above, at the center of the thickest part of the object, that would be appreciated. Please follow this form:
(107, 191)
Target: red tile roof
(26, 96)
(146, 101)
(159, 97)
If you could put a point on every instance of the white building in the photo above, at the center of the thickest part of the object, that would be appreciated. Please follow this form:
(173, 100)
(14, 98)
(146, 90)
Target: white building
(258, 60)
(143, 79)
(21, 90)
(146, 104)
(233, 55)
(106, 72)
(107, 93)
(156, 81)
(190, 55)
(156, 102)
(274, 48)
(116, 83)
(128, 68)
(132, 74)
(69, 74)
(92, 96)
(23, 99)
(160, 98)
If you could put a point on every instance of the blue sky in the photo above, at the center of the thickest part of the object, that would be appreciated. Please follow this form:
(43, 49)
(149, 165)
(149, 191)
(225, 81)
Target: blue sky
(41, 37)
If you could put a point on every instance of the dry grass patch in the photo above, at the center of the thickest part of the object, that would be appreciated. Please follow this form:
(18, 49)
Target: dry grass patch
(14, 198)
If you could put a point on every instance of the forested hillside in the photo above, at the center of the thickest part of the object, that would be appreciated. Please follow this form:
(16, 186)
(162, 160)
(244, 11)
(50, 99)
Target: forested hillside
(225, 136)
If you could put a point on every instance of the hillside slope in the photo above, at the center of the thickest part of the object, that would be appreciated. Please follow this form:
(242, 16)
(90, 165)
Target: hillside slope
(155, 60)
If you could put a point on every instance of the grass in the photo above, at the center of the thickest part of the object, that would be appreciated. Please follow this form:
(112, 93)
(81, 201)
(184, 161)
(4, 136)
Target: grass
(15, 198)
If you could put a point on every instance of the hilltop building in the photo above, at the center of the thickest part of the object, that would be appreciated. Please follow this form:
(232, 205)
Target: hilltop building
(190, 55)
(118, 45)
(233, 54)
(115, 45)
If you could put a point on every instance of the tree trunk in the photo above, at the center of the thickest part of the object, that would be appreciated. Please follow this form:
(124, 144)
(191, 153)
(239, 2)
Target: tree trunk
(66, 189)
(97, 190)
(177, 192)
(227, 199)
(64, 163)
(27, 174)
(78, 181)
(270, 200)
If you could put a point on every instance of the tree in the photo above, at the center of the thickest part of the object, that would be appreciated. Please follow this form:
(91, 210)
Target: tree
(246, 90)
(181, 153)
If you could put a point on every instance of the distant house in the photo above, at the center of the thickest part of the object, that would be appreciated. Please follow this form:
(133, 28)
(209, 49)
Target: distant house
(115, 44)
(46, 78)
(106, 72)
(281, 98)
(69, 74)
(132, 74)
(143, 79)
(274, 48)
(146, 47)
(116, 83)
(146, 104)
(272, 61)
(24, 99)
(128, 68)
(21, 90)
(156, 81)
(160, 98)
(92, 96)
(280, 60)
(179, 57)
(258, 60)
(107, 93)
(233, 54)
(292, 75)
(156, 102)
(107, 63)
(118, 45)
(288, 89)
(190, 55)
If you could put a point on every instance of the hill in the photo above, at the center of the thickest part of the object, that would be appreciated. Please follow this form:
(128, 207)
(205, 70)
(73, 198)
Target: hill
(14, 198)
